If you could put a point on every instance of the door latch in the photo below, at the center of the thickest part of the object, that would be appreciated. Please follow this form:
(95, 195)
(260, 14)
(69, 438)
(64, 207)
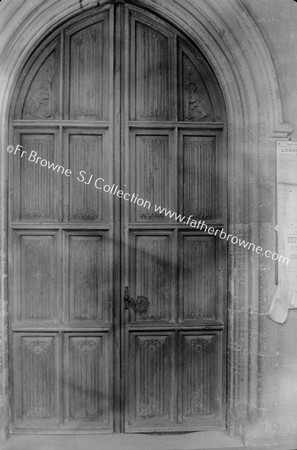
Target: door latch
(140, 305)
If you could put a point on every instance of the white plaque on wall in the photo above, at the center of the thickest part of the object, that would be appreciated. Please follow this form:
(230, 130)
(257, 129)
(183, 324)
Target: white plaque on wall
(287, 208)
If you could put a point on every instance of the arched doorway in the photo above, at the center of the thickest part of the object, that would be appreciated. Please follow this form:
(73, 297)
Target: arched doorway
(123, 101)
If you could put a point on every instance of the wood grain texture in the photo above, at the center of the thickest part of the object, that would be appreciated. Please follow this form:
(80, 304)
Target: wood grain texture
(152, 392)
(119, 94)
(87, 66)
(85, 202)
(151, 60)
(151, 169)
(176, 165)
(199, 177)
(87, 393)
(150, 261)
(36, 390)
(36, 187)
(199, 381)
(87, 283)
(198, 289)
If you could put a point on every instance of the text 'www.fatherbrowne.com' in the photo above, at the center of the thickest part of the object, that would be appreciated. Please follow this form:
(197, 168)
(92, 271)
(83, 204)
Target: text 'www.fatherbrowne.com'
(113, 189)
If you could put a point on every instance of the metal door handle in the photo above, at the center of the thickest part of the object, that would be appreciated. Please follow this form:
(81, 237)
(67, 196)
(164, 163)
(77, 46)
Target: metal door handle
(140, 305)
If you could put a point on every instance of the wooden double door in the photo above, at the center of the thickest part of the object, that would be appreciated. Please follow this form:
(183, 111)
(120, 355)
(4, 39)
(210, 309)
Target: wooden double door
(127, 103)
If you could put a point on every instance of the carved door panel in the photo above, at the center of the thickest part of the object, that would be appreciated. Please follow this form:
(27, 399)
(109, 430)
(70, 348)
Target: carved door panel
(174, 158)
(118, 96)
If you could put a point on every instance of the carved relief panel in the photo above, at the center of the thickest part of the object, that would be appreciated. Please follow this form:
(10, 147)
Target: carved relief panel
(40, 88)
(199, 100)
(41, 100)
(196, 101)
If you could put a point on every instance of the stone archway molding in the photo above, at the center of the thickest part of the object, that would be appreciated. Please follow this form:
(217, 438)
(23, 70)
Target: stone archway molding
(238, 54)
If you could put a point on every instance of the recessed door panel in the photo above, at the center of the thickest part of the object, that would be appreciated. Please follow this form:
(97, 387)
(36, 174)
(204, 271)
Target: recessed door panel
(88, 46)
(36, 289)
(87, 277)
(152, 174)
(151, 381)
(87, 387)
(198, 287)
(151, 59)
(36, 375)
(152, 274)
(35, 188)
(88, 158)
(200, 386)
(198, 176)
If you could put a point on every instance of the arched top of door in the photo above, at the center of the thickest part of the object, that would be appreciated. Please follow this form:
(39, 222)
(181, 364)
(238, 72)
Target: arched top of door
(227, 36)
(73, 63)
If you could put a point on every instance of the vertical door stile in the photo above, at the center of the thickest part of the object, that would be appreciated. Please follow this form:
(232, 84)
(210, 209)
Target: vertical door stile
(116, 102)
(125, 210)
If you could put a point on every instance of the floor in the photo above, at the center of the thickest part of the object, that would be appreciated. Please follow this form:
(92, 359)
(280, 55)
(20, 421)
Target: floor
(189, 441)
(218, 440)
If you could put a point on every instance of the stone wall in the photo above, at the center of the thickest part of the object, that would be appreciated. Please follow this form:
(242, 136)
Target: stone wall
(278, 352)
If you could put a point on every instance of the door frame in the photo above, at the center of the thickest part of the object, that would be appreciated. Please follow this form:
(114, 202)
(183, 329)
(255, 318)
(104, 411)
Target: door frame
(245, 74)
